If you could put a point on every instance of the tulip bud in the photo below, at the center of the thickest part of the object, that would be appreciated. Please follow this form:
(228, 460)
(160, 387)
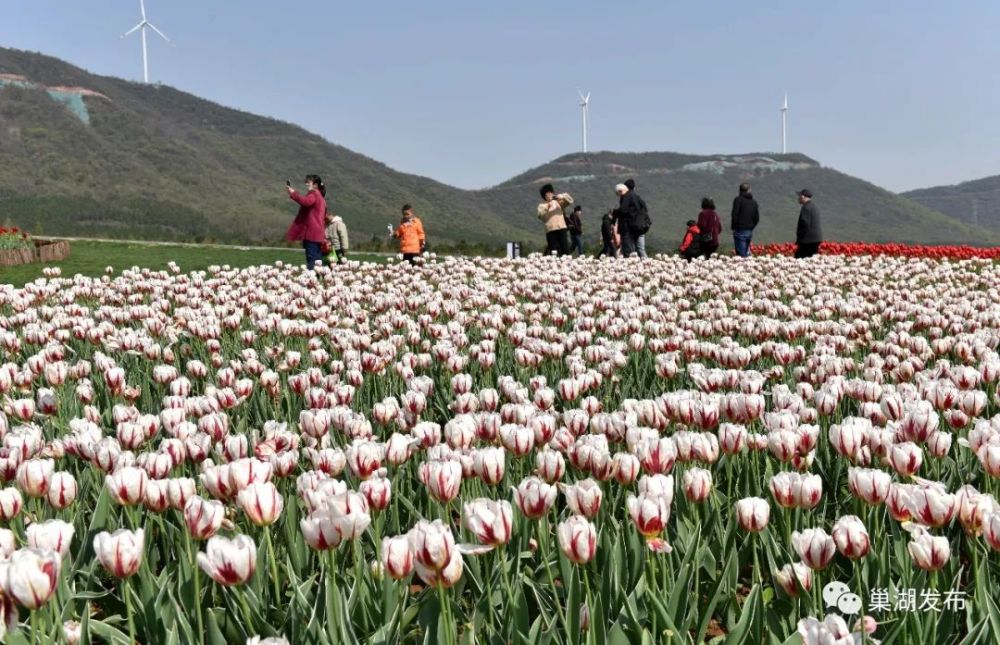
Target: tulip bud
(377, 491)
(443, 479)
(127, 486)
(577, 539)
(51, 535)
(534, 497)
(869, 485)
(62, 490)
(650, 514)
(491, 522)
(203, 517)
(120, 553)
(815, 547)
(34, 476)
(929, 552)
(753, 513)
(397, 558)
(229, 562)
(261, 502)
(697, 485)
(31, 576)
(436, 557)
(793, 578)
(584, 498)
(851, 537)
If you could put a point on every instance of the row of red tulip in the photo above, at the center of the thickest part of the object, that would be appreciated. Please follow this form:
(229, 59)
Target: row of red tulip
(896, 249)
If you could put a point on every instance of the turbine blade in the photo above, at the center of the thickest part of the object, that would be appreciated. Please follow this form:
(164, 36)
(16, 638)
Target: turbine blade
(153, 27)
(133, 29)
(142, 8)
(587, 100)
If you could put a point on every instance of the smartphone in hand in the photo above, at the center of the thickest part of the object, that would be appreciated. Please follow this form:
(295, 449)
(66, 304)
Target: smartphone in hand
(288, 182)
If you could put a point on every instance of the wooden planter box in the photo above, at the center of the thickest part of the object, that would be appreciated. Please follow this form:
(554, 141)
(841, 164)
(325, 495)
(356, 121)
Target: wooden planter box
(51, 251)
(45, 251)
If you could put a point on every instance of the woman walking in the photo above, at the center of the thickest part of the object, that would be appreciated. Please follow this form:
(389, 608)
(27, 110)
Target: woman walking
(710, 226)
(309, 225)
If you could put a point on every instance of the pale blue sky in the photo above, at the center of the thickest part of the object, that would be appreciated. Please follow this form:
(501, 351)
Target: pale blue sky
(471, 92)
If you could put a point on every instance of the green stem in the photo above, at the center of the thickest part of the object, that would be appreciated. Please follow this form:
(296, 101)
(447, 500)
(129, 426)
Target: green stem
(544, 551)
(127, 590)
(273, 565)
(502, 552)
(446, 613)
(196, 573)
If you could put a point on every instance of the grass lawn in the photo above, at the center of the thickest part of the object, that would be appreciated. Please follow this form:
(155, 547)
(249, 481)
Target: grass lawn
(91, 258)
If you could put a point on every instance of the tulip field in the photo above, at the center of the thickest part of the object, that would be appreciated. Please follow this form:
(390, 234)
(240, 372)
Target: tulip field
(542, 450)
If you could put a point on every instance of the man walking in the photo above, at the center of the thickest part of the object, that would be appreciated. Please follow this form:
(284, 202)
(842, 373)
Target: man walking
(631, 217)
(809, 234)
(550, 211)
(575, 224)
(745, 217)
(643, 223)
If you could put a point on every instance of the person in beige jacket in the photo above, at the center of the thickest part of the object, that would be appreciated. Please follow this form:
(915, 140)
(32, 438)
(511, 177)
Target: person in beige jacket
(336, 237)
(550, 211)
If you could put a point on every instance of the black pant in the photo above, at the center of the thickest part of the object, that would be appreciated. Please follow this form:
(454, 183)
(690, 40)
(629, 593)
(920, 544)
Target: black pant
(411, 257)
(708, 249)
(690, 254)
(803, 251)
(557, 241)
(628, 242)
(608, 249)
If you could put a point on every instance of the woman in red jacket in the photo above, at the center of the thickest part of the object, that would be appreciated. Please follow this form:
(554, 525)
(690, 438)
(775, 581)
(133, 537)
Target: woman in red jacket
(308, 225)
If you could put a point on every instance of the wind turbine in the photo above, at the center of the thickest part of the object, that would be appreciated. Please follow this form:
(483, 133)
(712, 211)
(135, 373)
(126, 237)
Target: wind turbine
(142, 26)
(585, 108)
(784, 120)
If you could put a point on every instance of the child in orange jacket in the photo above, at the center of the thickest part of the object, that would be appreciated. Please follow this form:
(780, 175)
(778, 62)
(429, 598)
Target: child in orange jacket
(410, 234)
(690, 246)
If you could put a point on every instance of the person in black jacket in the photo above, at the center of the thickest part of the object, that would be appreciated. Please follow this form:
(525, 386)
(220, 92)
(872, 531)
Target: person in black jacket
(575, 224)
(640, 238)
(628, 213)
(608, 246)
(745, 217)
(809, 234)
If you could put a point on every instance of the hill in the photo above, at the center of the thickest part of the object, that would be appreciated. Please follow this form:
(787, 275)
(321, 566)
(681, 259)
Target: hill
(153, 162)
(89, 155)
(975, 202)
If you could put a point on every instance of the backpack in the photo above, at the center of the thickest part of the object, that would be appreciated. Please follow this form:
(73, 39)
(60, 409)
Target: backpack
(642, 223)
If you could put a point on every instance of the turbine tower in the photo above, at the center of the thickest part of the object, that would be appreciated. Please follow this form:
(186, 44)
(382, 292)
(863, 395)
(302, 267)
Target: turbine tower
(784, 120)
(143, 25)
(585, 108)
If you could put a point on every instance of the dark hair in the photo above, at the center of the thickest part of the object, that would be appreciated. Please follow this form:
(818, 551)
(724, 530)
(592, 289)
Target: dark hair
(691, 222)
(318, 183)
(544, 190)
(406, 207)
(707, 204)
(630, 183)
(744, 187)
(578, 209)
